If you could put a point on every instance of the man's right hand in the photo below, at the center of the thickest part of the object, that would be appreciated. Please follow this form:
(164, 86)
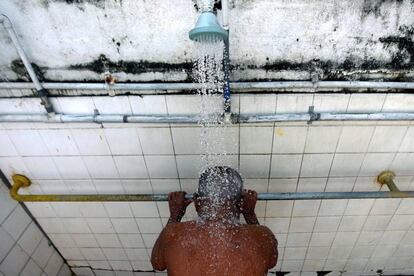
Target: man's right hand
(248, 203)
(178, 204)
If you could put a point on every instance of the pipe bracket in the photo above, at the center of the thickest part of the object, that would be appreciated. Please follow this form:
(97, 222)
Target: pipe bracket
(312, 115)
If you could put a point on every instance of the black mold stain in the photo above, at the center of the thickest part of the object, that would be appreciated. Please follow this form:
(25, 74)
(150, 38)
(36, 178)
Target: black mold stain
(404, 42)
(17, 67)
(322, 273)
(374, 6)
(97, 3)
(103, 64)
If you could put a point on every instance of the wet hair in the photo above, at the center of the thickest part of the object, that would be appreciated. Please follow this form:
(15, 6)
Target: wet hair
(220, 184)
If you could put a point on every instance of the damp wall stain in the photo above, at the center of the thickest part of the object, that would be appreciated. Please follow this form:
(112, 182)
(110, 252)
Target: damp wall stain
(373, 7)
(404, 43)
(19, 69)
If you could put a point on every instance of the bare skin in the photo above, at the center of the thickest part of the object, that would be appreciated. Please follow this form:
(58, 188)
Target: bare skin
(215, 246)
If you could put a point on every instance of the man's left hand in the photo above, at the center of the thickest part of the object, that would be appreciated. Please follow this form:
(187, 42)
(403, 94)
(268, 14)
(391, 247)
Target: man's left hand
(178, 204)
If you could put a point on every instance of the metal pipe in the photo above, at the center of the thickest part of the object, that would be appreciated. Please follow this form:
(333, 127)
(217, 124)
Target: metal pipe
(387, 178)
(235, 86)
(22, 181)
(193, 119)
(41, 92)
(225, 11)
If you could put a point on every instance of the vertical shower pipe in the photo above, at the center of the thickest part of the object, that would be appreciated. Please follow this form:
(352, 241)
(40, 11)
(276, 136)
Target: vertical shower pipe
(226, 63)
(41, 92)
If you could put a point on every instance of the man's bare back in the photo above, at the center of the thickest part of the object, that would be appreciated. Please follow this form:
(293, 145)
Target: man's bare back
(193, 248)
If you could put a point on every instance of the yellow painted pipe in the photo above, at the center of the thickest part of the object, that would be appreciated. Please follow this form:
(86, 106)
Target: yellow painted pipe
(387, 178)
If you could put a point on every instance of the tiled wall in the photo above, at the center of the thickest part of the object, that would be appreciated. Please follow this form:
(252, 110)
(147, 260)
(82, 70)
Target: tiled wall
(24, 250)
(353, 235)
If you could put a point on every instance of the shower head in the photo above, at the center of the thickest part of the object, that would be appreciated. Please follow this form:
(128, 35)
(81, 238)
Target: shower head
(208, 29)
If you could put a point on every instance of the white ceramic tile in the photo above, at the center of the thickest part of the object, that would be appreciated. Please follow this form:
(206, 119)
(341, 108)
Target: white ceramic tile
(294, 253)
(387, 138)
(278, 225)
(14, 262)
(148, 104)
(91, 141)
(302, 224)
(62, 240)
(125, 225)
(76, 105)
(54, 264)
(6, 241)
(85, 240)
(42, 253)
(28, 142)
(187, 140)
(131, 240)
(161, 166)
(398, 103)
(144, 209)
(352, 223)
(385, 206)
(165, 185)
(256, 139)
(156, 140)
(123, 141)
(100, 225)
(322, 139)
(101, 166)
(30, 238)
(392, 237)
(406, 206)
(285, 165)
(359, 206)
(345, 238)
(279, 208)
(316, 165)
(116, 254)
(298, 239)
(317, 253)
(71, 167)
(31, 269)
(183, 105)
(289, 139)
(52, 225)
(13, 165)
(374, 163)
(331, 102)
(327, 224)
(112, 105)
(42, 167)
(306, 208)
(403, 164)
(131, 166)
(16, 222)
(188, 166)
(282, 185)
(311, 184)
(137, 186)
(149, 225)
(59, 141)
(258, 185)
(407, 144)
(93, 254)
(6, 146)
(257, 104)
(137, 254)
(76, 225)
(346, 164)
(372, 102)
(322, 239)
(109, 186)
(355, 138)
(108, 240)
(118, 209)
(293, 103)
(80, 186)
(254, 166)
(341, 253)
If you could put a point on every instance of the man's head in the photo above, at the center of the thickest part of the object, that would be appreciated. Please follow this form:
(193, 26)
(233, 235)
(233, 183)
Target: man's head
(219, 190)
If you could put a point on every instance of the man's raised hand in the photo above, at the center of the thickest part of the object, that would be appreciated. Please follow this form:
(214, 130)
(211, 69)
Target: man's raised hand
(178, 205)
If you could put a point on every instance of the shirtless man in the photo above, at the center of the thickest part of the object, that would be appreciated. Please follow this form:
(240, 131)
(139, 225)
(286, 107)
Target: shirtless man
(216, 244)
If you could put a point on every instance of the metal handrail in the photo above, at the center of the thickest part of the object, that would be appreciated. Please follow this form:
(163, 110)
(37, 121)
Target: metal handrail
(386, 178)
